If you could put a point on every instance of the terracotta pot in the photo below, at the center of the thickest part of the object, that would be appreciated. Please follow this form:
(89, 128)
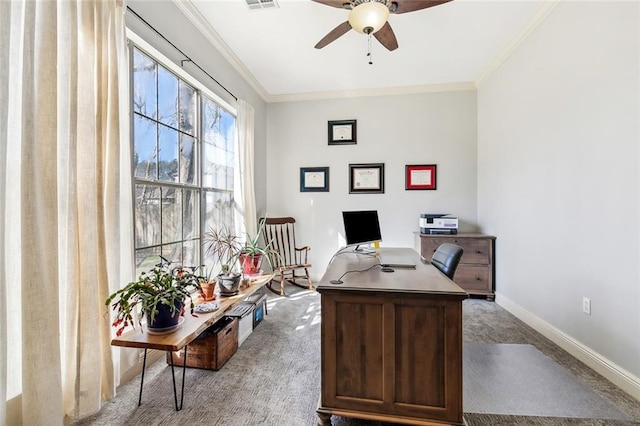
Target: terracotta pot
(251, 263)
(208, 290)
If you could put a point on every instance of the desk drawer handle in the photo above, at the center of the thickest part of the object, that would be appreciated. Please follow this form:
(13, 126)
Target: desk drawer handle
(478, 278)
(229, 330)
(479, 251)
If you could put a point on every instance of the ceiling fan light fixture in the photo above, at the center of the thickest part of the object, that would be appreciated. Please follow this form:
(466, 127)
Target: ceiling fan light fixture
(368, 17)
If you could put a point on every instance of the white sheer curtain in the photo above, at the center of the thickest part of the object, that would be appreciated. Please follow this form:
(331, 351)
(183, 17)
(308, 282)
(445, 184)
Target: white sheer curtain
(65, 204)
(246, 124)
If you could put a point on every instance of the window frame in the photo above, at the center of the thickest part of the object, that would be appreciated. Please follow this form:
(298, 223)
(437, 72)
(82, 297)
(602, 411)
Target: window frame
(201, 91)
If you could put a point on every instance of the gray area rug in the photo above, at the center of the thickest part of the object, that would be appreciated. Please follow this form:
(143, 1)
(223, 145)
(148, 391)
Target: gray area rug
(520, 380)
(274, 377)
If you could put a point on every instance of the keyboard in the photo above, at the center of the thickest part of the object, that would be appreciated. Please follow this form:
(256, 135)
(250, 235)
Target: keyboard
(388, 260)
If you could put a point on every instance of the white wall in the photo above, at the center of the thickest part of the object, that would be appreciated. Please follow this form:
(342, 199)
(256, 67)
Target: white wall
(558, 181)
(433, 128)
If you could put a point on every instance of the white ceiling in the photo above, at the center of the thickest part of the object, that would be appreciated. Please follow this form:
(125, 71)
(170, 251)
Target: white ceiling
(451, 44)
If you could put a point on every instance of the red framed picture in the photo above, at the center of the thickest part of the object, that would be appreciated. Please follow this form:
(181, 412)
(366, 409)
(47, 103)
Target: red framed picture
(420, 176)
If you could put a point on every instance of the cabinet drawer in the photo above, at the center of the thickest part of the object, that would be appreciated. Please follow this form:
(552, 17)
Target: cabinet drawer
(473, 278)
(476, 250)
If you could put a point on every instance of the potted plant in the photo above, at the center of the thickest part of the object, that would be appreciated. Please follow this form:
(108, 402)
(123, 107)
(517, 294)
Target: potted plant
(159, 294)
(207, 285)
(252, 255)
(225, 248)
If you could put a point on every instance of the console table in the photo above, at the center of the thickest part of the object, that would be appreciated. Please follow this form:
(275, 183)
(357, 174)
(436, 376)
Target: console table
(188, 331)
(391, 342)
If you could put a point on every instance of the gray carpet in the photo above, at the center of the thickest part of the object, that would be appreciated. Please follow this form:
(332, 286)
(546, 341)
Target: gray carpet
(274, 377)
(520, 380)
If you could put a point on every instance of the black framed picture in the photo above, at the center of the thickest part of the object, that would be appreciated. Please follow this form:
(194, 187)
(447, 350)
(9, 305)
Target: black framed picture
(342, 132)
(314, 179)
(366, 178)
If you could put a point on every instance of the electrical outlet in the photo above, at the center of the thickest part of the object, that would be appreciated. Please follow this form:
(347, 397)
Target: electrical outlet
(586, 305)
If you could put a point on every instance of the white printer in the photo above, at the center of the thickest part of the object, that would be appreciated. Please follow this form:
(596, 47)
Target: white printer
(438, 224)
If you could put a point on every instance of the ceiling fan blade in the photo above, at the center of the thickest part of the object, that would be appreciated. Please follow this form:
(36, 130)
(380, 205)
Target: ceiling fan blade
(340, 4)
(334, 34)
(386, 37)
(405, 6)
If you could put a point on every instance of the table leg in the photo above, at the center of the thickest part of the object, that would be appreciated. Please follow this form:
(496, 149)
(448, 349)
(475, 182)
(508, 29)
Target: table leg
(144, 364)
(324, 419)
(173, 377)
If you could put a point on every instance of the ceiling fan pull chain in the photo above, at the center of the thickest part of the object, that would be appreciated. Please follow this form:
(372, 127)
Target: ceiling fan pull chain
(369, 52)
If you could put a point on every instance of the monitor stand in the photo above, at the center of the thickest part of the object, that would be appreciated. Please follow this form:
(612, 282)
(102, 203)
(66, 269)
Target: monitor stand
(360, 250)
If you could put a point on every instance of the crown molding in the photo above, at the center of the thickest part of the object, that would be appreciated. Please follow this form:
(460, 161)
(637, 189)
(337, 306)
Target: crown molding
(513, 45)
(194, 15)
(386, 91)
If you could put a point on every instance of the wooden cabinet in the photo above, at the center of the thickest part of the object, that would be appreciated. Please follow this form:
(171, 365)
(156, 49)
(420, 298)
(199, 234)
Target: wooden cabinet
(476, 268)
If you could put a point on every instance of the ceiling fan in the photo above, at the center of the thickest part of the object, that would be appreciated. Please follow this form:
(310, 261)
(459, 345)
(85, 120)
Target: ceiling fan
(370, 17)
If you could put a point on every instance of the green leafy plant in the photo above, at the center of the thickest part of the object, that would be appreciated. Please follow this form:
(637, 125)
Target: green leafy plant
(207, 284)
(163, 284)
(252, 246)
(207, 276)
(226, 248)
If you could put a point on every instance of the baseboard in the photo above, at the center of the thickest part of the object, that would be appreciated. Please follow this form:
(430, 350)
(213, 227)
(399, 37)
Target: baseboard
(612, 372)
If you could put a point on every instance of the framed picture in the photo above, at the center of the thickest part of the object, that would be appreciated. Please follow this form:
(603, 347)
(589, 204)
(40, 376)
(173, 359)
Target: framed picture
(314, 179)
(366, 178)
(342, 132)
(420, 176)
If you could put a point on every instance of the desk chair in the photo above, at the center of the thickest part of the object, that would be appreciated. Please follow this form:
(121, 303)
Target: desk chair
(446, 258)
(286, 258)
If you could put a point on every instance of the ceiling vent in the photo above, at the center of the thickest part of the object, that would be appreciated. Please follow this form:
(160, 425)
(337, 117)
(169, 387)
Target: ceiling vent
(262, 4)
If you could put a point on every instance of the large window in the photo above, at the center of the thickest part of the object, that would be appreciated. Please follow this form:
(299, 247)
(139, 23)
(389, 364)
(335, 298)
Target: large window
(183, 164)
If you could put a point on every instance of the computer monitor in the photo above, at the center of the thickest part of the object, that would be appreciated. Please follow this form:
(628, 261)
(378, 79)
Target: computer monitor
(361, 227)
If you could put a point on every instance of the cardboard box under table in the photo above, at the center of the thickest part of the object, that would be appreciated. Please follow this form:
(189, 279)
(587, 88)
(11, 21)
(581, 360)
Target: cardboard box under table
(213, 347)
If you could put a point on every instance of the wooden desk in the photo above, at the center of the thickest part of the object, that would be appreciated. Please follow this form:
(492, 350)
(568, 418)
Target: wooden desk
(391, 342)
(188, 331)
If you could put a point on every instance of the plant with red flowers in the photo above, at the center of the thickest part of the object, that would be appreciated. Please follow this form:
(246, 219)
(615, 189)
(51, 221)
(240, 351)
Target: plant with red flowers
(162, 285)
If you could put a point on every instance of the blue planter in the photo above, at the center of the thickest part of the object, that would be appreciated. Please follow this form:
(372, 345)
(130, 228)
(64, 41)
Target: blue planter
(165, 318)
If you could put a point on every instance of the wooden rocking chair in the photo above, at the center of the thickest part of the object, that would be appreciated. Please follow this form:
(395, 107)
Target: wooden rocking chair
(286, 258)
